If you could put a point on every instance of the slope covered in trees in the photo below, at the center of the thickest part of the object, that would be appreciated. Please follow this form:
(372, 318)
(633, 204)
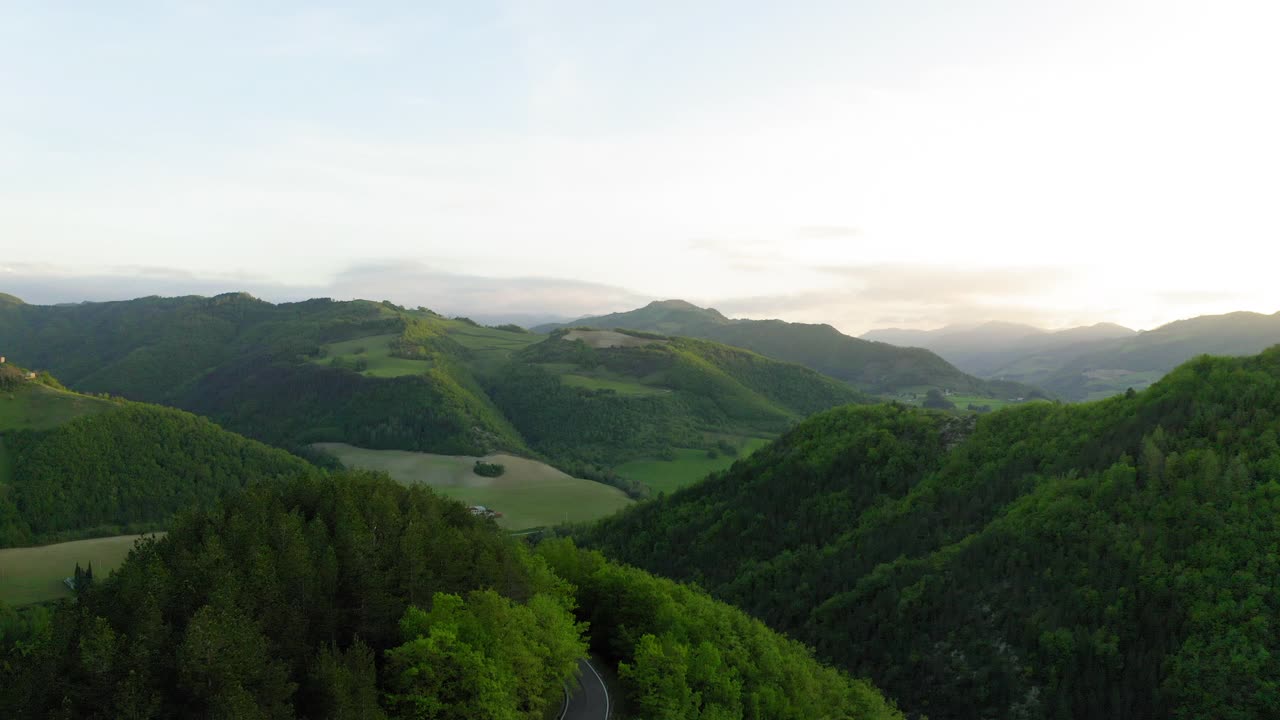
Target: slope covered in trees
(123, 470)
(353, 597)
(249, 365)
(1101, 560)
(380, 376)
(693, 388)
(871, 366)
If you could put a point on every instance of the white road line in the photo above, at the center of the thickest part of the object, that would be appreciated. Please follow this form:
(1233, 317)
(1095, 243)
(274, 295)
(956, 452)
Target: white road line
(602, 687)
(564, 707)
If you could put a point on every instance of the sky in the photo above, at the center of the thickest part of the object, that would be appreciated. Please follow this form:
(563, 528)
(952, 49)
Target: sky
(868, 164)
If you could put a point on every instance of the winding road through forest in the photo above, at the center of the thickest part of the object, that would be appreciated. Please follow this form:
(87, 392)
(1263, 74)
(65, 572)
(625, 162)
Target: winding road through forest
(588, 699)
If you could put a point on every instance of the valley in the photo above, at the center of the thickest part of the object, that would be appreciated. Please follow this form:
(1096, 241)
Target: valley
(847, 516)
(639, 361)
(1094, 362)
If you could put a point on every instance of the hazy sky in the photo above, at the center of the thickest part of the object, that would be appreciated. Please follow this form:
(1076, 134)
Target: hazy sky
(861, 163)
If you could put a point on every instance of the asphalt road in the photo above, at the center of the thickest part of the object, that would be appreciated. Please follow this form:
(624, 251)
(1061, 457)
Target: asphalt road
(588, 698)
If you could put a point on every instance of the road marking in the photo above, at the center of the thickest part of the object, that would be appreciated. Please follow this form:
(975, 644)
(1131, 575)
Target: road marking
(602, 687)
(564, 707)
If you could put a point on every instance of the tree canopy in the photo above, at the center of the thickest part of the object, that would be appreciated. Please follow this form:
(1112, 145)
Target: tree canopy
(349, 596)
(1046, 561)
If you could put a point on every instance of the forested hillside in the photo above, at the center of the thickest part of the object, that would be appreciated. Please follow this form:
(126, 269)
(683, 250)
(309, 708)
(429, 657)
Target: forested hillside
(1049, 561)
(657, 394)
(871, 366)
(353, 597)
(261, 369)
(381, 376)
(124, 469)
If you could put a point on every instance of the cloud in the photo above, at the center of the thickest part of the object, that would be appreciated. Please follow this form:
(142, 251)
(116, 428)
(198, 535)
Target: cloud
(870, 296)
(944, 285)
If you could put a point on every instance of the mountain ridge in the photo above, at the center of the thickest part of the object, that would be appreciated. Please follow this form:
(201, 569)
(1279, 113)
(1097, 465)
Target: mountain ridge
(871, 366)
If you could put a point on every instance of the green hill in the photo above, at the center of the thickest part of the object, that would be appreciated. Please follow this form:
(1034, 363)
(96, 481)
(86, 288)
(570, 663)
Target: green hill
(982, 350)
(874, 367)
(380, 376)
(286, 374)
(91, 467)
(36, 406)
(644, 394)
(1100, 560)
(1101, 369)
(1090, 363)
(353, 597)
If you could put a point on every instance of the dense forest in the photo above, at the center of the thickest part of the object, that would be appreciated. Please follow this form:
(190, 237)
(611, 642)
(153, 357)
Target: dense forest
(870, 366)
(124, 471)
(244, 363)
(1049, 561)
(350, 596)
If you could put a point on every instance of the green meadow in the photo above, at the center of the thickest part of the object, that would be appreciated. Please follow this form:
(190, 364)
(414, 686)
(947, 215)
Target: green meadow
(600, 379)
(39, 407)
(689, 467)
(491, 340)
(376, 351)
(35, 574)
(529, 494)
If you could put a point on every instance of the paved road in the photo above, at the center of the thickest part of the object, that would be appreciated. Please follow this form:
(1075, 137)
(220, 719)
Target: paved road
(588, 698)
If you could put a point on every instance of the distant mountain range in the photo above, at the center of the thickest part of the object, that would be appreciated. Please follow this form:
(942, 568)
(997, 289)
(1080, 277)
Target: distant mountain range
(875, 367)
(1091, 362)
(984, 349)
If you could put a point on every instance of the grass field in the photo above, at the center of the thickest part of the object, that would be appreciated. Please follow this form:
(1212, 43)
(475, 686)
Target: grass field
(377, 353)
(486, 339)
(34, 574)
(1103, 384)
(963, 401)
(39, 407)
(610, 338)
(689, 467)
(577, 376)
(529, 494)
(490, 348)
